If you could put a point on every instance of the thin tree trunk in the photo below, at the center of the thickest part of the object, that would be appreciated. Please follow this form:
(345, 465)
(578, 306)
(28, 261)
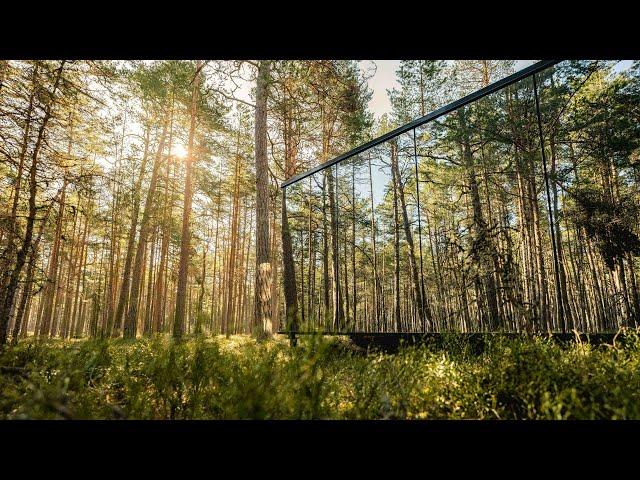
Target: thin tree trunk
(396, 253)
(289, 271)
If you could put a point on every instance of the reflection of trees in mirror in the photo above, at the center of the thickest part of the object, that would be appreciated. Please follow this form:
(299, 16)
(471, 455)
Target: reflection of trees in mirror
(461, 226)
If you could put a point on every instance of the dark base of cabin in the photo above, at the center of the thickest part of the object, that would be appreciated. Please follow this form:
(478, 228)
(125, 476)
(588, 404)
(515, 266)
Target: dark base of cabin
(475, 342)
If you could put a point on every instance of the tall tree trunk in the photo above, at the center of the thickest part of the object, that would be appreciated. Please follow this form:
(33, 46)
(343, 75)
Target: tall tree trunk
(326, 276)
(311, 273)
(179, 318)
(71, 270)
(396, 253)
(230, 294)
(161, 281)
(148, 311)
(76, 328)
(262, 319)
(214, 277)
(354, 297)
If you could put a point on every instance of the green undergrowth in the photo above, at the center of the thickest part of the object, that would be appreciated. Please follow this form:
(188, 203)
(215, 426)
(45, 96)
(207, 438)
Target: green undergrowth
(321, 378)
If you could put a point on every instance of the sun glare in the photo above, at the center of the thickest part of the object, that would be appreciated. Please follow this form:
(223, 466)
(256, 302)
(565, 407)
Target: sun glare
(179, 150)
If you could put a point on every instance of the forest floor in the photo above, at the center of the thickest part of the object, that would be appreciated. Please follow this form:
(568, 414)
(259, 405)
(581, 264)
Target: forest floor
(321, 378)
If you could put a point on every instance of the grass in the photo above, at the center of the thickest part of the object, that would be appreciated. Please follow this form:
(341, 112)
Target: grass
(320, 379)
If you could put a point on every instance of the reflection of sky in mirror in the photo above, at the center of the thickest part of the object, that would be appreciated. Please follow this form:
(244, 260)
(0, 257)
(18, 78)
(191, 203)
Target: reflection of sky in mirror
(622, 65)
(383, 80)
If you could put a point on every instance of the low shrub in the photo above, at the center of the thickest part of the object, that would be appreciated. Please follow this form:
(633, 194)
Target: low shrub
(216, 378)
